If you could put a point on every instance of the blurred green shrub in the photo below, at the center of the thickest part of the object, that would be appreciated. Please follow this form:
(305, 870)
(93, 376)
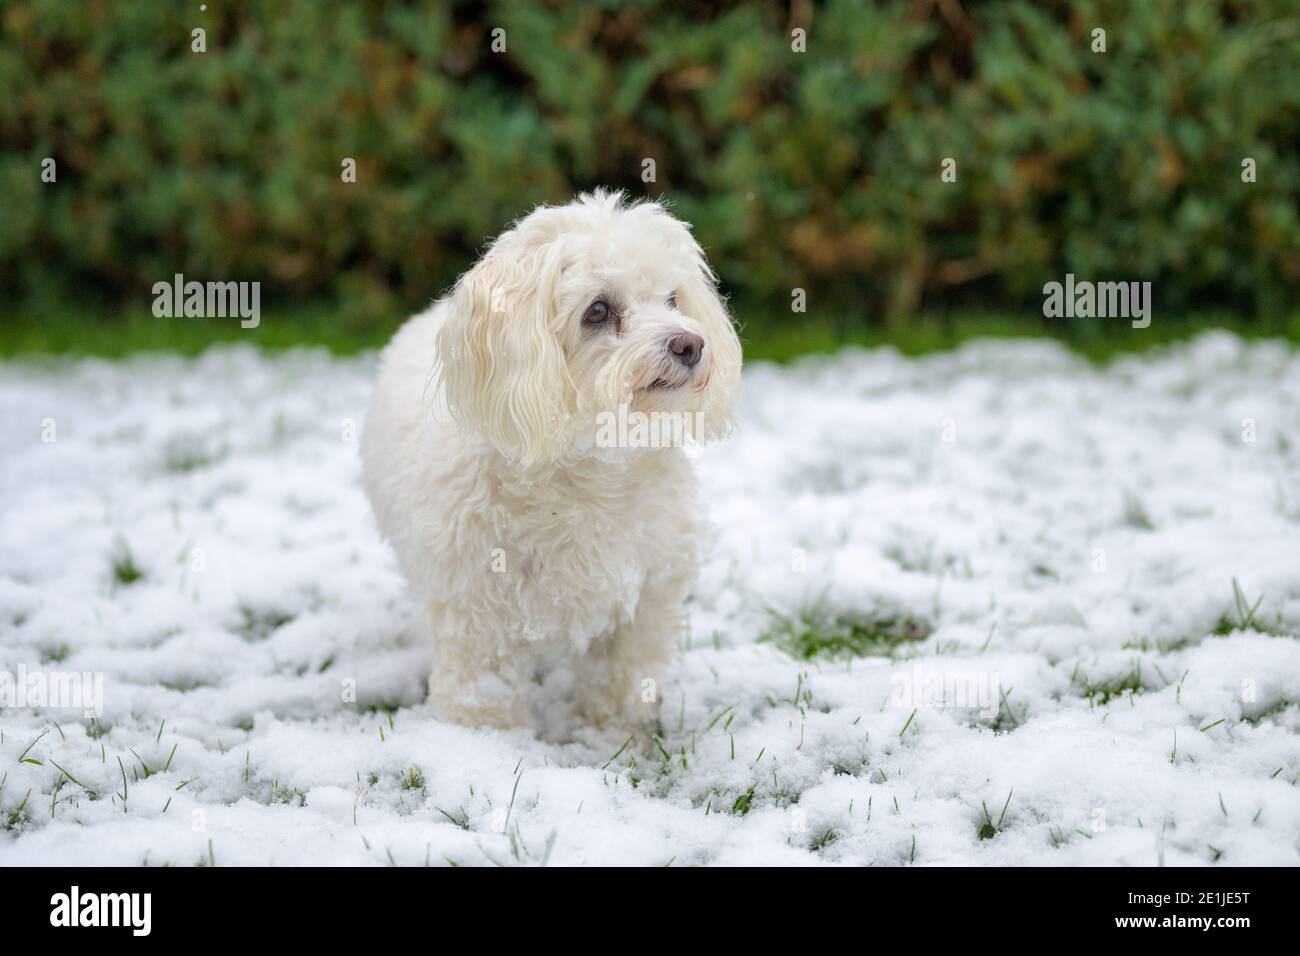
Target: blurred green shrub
(818, 170)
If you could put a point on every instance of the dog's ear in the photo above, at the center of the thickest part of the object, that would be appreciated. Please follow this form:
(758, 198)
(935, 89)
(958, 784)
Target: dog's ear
(699, 299)
(500, 359)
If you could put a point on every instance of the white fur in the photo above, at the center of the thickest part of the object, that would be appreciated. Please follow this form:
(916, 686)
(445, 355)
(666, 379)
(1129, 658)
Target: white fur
(518, 536)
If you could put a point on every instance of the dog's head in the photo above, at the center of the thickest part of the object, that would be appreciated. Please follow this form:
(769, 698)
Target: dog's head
(580, 309)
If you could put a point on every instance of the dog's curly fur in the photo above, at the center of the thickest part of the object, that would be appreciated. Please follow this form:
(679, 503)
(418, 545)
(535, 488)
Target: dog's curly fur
(519, 531)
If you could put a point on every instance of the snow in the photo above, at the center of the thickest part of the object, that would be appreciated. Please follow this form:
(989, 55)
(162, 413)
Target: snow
(1064, 535)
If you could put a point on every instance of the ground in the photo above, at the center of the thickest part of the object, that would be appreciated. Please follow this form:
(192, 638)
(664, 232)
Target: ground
(1101, 567)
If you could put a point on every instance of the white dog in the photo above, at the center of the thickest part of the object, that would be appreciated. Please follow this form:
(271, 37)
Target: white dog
(521, 526)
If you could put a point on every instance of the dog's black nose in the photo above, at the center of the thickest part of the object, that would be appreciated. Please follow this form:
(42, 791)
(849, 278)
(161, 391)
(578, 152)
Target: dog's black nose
(686, 347)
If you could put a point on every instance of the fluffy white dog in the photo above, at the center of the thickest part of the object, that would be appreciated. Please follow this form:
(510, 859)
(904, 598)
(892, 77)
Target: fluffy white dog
(505, 456)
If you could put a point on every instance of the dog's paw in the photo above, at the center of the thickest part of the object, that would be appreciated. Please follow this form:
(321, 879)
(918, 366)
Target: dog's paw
(480, 705)
(624, 714)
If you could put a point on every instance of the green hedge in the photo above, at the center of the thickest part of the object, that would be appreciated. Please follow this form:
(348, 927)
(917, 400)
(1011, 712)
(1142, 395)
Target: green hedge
(818, 170)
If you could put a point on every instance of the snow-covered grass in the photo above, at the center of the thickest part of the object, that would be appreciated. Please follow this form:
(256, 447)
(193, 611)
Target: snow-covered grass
(1096, 558)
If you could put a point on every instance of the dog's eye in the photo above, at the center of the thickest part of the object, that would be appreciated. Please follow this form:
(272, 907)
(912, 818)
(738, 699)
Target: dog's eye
(672, 300)
(597, 312)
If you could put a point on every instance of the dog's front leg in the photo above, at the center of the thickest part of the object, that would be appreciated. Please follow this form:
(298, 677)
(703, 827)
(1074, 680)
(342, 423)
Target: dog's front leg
(473, 686)
(619, 678)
